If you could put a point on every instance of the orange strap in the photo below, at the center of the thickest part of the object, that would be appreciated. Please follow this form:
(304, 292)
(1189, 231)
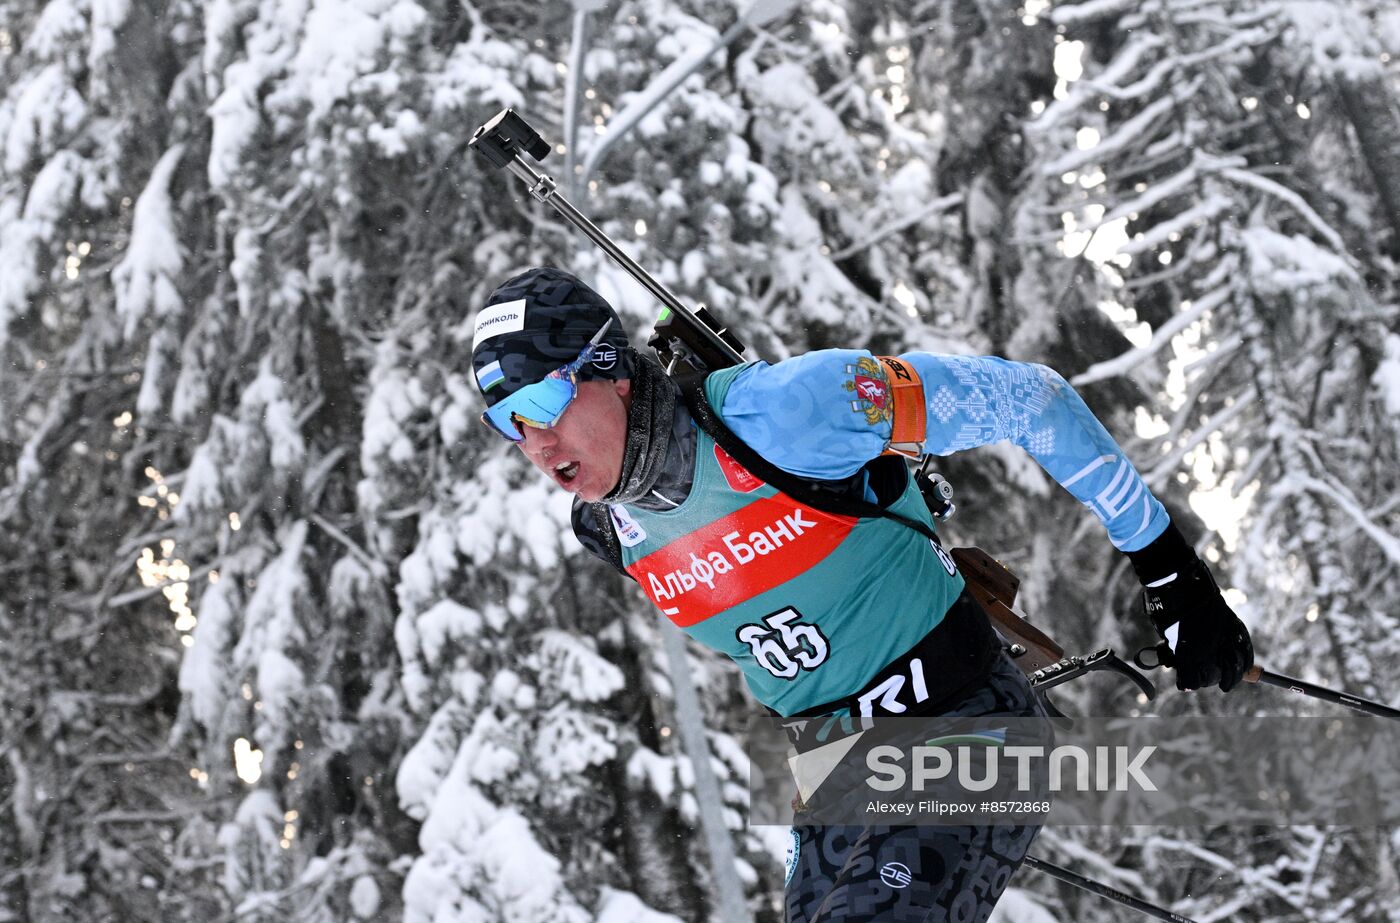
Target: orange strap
(910, 424)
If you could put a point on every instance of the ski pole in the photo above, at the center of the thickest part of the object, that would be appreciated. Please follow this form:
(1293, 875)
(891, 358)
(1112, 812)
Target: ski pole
(1161, 656)
(1103, 890)
(1257, 674)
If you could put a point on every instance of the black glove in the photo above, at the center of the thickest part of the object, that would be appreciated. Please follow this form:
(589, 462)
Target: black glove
(1208, 642)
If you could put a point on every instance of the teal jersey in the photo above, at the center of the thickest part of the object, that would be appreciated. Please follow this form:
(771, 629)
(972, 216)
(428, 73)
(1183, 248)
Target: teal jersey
(810, 605)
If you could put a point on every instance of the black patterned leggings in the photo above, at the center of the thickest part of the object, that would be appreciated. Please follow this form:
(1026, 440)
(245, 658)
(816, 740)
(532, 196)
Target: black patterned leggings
(903, 874)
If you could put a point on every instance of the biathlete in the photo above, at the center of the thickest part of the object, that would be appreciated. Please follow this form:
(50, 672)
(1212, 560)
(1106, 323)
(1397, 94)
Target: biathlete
(820, 611)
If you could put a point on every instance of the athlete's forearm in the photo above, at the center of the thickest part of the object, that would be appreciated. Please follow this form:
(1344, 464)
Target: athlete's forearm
(975, 401)
(825, 414)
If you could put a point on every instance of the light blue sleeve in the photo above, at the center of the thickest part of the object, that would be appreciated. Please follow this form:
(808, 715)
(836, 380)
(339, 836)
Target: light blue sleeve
(825, 414)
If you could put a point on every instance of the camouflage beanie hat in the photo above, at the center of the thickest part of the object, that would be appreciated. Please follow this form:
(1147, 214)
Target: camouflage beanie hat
(535, 323)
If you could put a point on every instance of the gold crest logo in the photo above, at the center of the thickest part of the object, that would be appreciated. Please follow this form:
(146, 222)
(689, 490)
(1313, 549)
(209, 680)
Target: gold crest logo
(871, 389)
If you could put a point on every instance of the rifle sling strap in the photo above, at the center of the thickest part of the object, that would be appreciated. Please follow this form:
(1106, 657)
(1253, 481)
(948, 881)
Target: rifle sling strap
(888, 474)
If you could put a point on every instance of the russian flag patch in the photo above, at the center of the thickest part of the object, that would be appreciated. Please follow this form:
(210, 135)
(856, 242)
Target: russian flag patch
(490, 375)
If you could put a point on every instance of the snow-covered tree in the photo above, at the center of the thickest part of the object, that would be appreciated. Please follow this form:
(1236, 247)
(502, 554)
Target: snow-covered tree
(288, 635)
(1212, 169)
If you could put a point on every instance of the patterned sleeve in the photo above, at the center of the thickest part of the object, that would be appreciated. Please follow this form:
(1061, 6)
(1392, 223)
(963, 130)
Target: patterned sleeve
(824, 414)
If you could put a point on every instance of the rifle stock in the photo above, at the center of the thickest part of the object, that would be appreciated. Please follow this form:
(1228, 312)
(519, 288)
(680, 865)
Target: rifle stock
(994, 587)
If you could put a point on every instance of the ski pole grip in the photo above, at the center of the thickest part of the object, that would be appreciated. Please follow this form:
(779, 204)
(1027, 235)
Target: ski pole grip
(1154, 656)
(1254, 674)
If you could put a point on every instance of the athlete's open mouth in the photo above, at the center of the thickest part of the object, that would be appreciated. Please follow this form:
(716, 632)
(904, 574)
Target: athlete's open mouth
(566, 471)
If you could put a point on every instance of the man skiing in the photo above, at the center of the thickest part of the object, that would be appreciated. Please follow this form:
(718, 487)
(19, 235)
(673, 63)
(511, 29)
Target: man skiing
(820, 609)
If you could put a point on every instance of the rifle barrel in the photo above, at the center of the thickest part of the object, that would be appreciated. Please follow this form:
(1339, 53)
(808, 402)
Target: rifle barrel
(544, 189)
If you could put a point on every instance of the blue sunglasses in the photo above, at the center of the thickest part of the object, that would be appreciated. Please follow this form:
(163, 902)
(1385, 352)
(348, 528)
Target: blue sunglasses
(541, 404)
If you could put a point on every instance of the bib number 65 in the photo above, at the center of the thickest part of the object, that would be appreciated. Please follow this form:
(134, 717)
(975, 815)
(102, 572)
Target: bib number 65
(784, 646)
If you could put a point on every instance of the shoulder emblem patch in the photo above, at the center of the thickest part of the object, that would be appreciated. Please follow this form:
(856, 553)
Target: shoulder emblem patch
(872, 391)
